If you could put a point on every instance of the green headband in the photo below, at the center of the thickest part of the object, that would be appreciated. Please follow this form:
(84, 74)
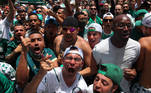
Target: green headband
(91, 30)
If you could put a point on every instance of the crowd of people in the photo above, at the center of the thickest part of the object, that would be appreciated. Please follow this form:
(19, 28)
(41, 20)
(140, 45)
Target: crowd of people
(75, 46)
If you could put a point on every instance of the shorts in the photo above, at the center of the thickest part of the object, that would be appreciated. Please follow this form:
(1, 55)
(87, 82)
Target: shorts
(140, 89)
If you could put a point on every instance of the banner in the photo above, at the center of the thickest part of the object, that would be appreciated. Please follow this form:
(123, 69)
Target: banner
(37, 2)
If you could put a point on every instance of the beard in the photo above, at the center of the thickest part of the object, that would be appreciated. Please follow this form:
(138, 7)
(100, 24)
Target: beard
(82, 24)
(125, 11)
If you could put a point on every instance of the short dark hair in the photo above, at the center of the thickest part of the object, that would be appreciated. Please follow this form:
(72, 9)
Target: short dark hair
(70, 21)
(18, 24)
(77, 14)
(33, 14)
(34, 32)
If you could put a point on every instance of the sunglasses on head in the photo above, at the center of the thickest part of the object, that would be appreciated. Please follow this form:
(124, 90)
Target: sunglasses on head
(70, 29)
(106, 20)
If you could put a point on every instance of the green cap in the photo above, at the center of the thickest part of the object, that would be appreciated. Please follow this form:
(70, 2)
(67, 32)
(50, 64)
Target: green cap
(140, 12)
(138, 23)
(111, 71)
(40, 17)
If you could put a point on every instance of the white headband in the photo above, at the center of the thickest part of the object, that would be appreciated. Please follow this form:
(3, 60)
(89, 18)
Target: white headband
(147, 20)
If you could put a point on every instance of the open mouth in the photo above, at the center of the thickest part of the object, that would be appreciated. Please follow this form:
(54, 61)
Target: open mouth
(91, 41)
(96, 91)
(71, 70)
(68, 37)
(126, 35)
(37, 50)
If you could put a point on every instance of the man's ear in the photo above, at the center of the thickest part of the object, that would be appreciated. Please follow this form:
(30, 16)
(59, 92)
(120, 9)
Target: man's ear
(114, 88)
(78, 29)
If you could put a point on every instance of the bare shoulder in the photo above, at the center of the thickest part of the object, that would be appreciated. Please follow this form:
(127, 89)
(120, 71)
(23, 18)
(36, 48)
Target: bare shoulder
(58, 39)
(81, 40)
(56, 44)
(83, 44)
(145, 41)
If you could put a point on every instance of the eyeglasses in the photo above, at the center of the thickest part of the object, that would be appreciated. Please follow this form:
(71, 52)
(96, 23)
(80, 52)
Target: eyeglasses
(70, 58)
(122, 25)
(93, 8)
(106, 20)
(71, 29)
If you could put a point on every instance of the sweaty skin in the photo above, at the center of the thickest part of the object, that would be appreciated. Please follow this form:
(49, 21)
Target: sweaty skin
(143, 63)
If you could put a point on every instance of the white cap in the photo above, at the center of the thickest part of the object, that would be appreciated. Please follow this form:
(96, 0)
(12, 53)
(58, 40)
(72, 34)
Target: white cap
(147, 20)
(73, 50)
(108, 14)
(97, 27)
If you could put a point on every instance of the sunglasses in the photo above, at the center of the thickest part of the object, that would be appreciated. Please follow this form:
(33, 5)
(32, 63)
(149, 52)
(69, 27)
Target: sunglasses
(59, 12)
(93, 8)
(39, 11)
(70, 29)
(106, 20)
(33, 20)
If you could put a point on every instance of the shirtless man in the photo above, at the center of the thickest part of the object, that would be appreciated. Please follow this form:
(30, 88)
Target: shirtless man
(70, 37)
(143, 64)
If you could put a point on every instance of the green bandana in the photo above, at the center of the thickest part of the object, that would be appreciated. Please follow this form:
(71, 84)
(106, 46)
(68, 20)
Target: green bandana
(91, 30)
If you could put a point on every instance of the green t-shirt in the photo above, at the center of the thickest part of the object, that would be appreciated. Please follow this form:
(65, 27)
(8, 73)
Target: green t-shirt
(98, 20)
(104, 36)
(34, 66)
(11, 46)
(6, 85)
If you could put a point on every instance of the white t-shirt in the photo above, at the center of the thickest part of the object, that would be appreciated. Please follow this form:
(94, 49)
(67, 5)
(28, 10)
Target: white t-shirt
(90, 89)
(53, 82)
(125, 57)
(5, 29)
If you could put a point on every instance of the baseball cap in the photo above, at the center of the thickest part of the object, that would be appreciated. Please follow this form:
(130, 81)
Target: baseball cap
(140, 12)
(70, 21)
(108, 14)
(146, 21)
(73, 50)
(138, 23)
(112, 71)
(96, 27)
(51, 21)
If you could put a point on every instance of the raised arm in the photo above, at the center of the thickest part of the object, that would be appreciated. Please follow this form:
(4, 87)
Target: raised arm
(91, 68)
(33, 85)
(68, 9)
(22, 71)
(51, 13)
(11, 56)
(11, 13)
